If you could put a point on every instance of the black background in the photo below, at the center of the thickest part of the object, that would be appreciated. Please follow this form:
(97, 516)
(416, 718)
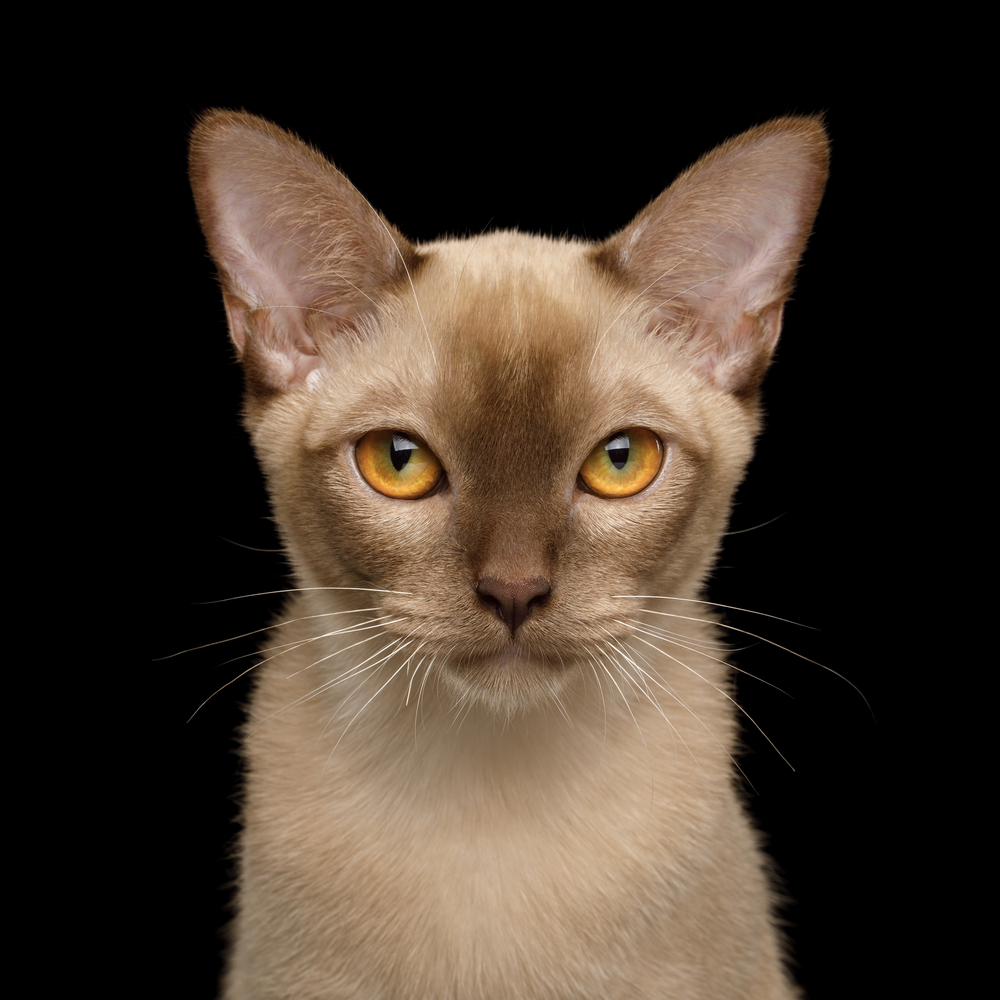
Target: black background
(819, 492)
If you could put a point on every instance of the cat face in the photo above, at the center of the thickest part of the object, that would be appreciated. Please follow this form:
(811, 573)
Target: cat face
(508, 438)
(506, 562)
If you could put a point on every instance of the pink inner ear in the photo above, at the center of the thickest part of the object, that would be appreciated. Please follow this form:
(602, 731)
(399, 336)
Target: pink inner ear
(274, 341)
(736, 358)
(716, 253)
(236, 310)
(300, 251)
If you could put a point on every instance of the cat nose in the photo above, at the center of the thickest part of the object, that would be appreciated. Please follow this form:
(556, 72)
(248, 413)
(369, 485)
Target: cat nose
(513, 602)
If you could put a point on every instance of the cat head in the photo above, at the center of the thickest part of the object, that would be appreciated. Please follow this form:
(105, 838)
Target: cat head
(503, 434)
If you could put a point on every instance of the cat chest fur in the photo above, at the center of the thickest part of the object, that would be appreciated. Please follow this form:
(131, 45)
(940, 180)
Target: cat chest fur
(467, 867)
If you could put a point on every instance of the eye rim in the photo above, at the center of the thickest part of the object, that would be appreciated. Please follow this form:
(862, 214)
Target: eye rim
(645, 473)
(374, 467)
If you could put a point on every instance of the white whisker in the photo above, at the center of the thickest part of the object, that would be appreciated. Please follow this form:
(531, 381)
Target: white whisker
(350, 673)
(646, 676)
(638, 728)
(305, 590)
(653, 675)
(266, 628)
(724, 694)
(283, 648)
(711, 604)
(358, 667)
(413, 676)
(420, 695)
(364, 706)
(656, 633)
(770, 642)
(409, 277)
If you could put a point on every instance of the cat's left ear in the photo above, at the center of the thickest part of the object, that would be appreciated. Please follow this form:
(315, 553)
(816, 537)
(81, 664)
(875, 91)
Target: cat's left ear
(714, 256)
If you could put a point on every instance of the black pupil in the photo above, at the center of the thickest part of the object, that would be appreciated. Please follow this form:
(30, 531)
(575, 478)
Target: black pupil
(617, 449)
(400, 448)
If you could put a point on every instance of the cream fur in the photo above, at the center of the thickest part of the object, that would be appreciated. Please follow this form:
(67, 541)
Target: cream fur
(436, 805)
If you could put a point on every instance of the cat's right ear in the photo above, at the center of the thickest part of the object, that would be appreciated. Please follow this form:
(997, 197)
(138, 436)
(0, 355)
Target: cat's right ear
(300, 252)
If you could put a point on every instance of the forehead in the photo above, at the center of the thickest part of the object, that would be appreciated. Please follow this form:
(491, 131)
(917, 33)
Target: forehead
(513, 347)
(532, 353)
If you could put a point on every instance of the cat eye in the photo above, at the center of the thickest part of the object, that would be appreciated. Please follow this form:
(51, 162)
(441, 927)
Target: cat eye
(398, 465)
(623, 464)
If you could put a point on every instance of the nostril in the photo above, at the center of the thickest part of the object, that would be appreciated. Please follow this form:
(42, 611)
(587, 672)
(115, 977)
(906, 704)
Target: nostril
(491, 602)
(512, 602)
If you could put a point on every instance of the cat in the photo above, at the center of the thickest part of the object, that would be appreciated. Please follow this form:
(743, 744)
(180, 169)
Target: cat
(489, 750)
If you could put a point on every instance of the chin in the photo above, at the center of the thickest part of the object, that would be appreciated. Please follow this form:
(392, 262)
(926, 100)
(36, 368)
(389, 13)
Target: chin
(509, 684)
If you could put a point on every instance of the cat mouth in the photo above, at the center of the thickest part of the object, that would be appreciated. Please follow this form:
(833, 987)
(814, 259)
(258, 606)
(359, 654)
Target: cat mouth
(517, 658)
(515, 654)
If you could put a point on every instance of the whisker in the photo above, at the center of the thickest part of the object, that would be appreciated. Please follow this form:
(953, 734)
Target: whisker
(378, 624)
(266, 628)
(420, 695)
(409, 277)
(638, 728)
(654, 676)
(351, 672)
(289, 648)
(770, 642)
(674, 733)
(305, 590)
(363, 707)
(472, 249)
(250, 548)
(763, 524)
(649, 757)
(691, 642)
(724, 694)
(639, 626)
(711, 604)
(604, 704)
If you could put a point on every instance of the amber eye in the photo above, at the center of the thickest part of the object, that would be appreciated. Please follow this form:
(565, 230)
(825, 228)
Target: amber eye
(397, 464)
(623, 464)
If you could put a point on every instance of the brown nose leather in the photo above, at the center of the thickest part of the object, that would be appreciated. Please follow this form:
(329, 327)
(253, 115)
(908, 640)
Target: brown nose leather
(513, 602)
